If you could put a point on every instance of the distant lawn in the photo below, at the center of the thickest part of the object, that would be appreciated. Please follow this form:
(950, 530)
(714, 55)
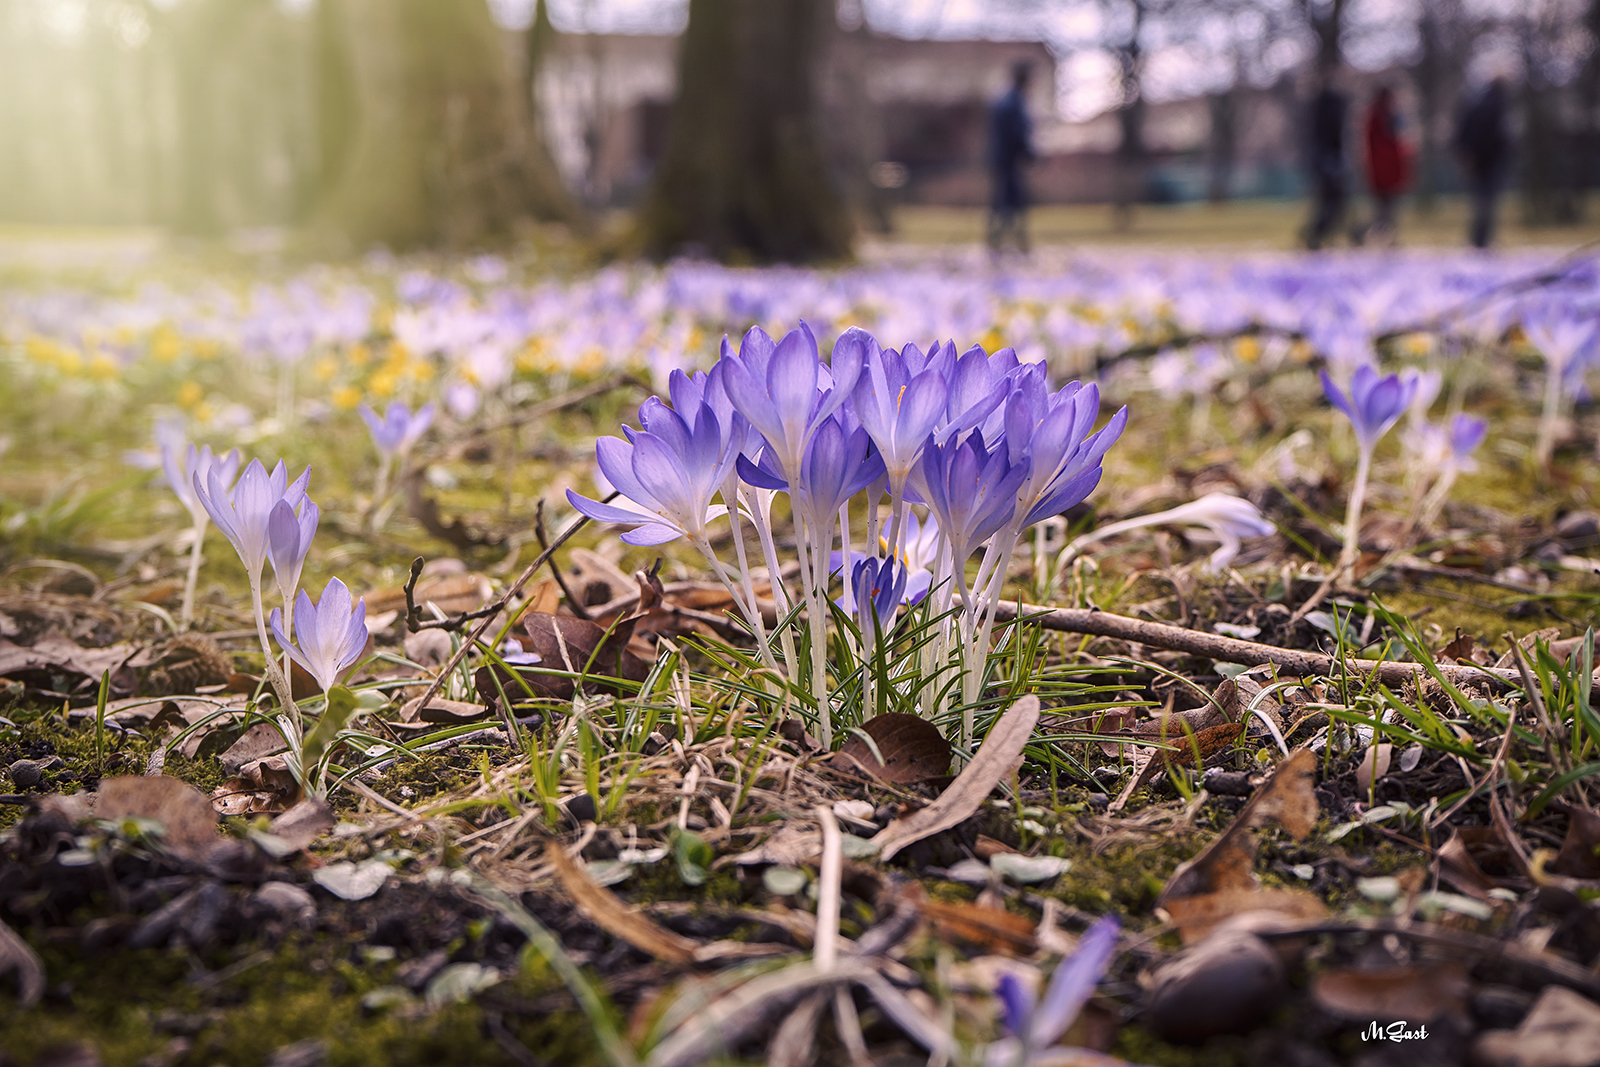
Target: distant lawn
(1263, 224)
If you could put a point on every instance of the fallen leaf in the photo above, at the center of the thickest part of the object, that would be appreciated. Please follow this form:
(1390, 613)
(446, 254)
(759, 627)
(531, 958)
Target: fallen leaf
(302, 824)
(1562, 1030)
(264, 787)
(990, 928)
(1374, 765)
(1580, 849)
(447, 712)
(912, 748)
(1220, 881)
(353, 881)
(791, 846)
(1457, 867)
(607, 910)
(1198, 916)
(257, 743)
(188, 820)
(18, 957)
(1415, 994)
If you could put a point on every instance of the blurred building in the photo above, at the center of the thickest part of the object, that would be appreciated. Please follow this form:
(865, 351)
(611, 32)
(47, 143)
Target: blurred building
(911, 114)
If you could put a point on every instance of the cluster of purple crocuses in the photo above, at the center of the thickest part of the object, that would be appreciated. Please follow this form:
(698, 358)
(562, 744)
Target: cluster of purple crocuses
(980, 441)
(269, 519)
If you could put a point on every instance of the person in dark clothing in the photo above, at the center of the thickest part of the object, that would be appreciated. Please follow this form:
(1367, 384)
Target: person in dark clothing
(1388, 167)
(1010, 146)
(1483, 145)
(1327, 161)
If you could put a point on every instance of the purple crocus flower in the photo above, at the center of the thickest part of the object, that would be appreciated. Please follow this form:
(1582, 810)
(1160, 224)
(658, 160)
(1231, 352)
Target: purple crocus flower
(899, 410)
(667, 475)
(331, 634)
(289, 535)
(196, 461)
(838, 464)
(1052, 430)
(1373, 404)
(1466, 434)
(243, 513)
(1038, 1026)
(876, 588)
(785, 391)
(971, 490)
(398, 429)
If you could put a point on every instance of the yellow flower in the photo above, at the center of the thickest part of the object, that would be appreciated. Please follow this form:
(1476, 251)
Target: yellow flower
(383, 383)
(189, 395)
(325, 368)
(1247, 348)
(102, 367)
(360, 355)
(1419, 343)
(165, 345)
(422, 371)
(992, 341)
(207, 350)
(346, 397)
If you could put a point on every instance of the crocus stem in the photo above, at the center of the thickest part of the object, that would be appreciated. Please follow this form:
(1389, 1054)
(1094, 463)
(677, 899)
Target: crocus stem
(1545, 444)
(285, 395)
(186, 617)
(761, 520)
(752, 608)
(1352, 515)
(380, 493)
(275, 677)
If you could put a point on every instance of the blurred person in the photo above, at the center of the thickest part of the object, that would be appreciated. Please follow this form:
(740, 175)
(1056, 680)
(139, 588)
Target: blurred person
(1010, 146)
(1483, 144)
(1328, 176)
(1388, 167)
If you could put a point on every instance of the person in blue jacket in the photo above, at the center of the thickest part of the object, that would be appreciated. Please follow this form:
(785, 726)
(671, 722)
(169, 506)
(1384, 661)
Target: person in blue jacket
(1010, 146)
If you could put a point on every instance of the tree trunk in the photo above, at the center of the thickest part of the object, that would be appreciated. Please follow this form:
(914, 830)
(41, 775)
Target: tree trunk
(1224, 142)
(744, 175)
(437, 156)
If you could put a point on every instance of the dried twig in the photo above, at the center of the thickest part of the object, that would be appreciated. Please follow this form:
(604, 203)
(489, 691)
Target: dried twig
(1233, 649)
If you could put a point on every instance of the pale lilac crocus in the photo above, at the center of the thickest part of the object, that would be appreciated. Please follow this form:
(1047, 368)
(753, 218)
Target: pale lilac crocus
(1461, 439)
(244, 516)
(393, 434)
(667, 477)
(1033, 1026)
(1230, 519)
(1373, 405)
(331, 635)
(398, 428)
(1567, 339)
(290, 531)
(197, 464)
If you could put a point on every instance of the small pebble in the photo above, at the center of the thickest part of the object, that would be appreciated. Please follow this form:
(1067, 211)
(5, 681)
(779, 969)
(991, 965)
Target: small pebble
(26, 774)
(287, 901)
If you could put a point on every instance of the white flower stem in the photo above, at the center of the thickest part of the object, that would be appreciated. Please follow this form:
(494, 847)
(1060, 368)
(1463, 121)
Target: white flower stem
(192, 582)
(1545, 444)
(1352, 516)
(275, 677)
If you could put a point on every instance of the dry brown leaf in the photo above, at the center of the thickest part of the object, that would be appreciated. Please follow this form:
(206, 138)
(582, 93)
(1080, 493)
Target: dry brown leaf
(913, 750)
(1415, 994)
(607, 910)
(996, 759)
(1236, 695)
(1457, 867)
(186, 815)
(1579, 857)
(304, 823)
(1196, 916)
(1220, 881)
(990, 928)
(440, 710)
(17, 956)
(791, 846)
(263, 787)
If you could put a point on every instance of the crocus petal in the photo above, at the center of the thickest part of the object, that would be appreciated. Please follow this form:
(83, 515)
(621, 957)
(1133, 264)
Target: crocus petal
(1073, 983)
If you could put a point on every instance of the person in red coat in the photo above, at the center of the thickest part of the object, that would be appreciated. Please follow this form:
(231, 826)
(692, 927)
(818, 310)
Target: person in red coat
(1388, 167)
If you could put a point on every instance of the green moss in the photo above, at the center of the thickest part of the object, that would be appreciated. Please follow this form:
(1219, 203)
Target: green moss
(1137, 1045)
(130, 1004)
